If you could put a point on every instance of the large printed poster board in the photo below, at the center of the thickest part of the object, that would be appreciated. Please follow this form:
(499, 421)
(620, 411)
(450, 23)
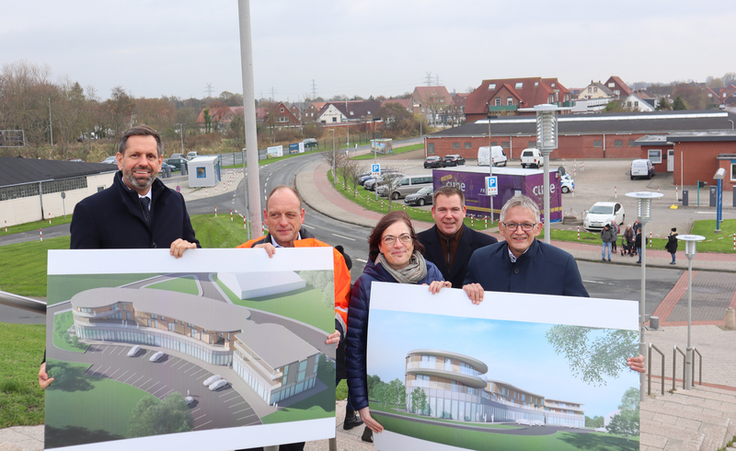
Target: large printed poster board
(517, 372)
(219, 350)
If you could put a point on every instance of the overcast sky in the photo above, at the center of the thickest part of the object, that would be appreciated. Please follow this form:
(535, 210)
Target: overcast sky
(359, 47)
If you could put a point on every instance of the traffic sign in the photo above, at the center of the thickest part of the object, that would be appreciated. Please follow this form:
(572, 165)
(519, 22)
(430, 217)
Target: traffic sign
(492, 185)
(178, 188)
(376, 169)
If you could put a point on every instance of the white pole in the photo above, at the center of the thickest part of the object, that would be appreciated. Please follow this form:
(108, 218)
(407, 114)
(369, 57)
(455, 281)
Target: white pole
(249, 104)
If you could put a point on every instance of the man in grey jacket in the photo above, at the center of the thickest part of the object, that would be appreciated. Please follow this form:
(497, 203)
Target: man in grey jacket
(607, 236)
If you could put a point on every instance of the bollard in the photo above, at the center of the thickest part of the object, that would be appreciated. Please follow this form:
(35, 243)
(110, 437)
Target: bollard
(653, 322)
(215, 211)
(730, 319)
(734, 237)
(486, 221)
(231, 215)
(471, 220)
(650, 239)
(615, 192)
(582, 166)
(40, 233)
(578, 233)
(244, 223)
(49, 218)
(676, 196)
(205, 192)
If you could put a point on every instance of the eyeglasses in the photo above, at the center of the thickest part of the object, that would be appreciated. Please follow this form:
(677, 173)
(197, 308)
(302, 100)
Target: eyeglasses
(512, 226)
(389, 240)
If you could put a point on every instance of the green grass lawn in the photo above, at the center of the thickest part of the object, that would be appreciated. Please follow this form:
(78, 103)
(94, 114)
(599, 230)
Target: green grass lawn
(21, 399)
(396, 151)
(186, 285)
(23, 266)
(477, 440)
(62, 323)
(92, 391)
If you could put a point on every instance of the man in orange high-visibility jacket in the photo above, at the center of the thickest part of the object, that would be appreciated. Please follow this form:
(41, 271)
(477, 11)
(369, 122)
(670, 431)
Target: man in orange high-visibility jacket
(284, 216)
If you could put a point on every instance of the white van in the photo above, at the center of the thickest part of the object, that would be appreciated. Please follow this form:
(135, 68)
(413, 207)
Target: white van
(409, 184)
(499, 156)
(642, 168)
(532, 157)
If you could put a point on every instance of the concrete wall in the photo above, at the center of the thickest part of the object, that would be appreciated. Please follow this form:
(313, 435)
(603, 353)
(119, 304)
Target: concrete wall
(28, 209)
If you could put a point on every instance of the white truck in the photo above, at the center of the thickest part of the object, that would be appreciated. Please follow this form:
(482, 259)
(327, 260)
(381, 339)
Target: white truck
(532, 158)
(499, 156)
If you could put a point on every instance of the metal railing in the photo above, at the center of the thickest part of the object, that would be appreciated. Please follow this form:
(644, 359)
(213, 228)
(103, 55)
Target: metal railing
(674, 366)
(649, 370)
(700, 366)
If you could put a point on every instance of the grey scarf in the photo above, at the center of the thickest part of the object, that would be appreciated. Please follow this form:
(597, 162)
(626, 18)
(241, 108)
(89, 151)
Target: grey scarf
(412, 273)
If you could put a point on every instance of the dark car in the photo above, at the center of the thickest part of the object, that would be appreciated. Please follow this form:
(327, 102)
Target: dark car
(454, 160)
(421, 197)
(164, 166)
(176, 162)
(433, 162)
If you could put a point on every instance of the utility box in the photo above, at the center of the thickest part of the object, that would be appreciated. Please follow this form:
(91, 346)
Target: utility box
(204, 171)
(511, 181)
(685, 196)
(713, 196)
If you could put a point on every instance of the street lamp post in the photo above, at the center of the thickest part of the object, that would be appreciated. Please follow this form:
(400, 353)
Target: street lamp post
(334, 165)
(690, 244)
(490, 162)
(546, 142)
(720, 173)
(645, 215)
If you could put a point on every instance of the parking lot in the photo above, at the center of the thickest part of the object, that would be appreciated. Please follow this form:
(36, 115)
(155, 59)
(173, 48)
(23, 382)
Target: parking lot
(223, 408)
(607, 180)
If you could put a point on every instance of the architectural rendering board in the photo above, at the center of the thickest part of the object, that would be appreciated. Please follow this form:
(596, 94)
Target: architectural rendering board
(517, 372)
(153, 352)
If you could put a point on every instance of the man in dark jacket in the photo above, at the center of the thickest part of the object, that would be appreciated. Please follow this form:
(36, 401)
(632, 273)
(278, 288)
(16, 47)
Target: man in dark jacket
(671, 245)
(118, 218)
(450, 243)
(522, 264)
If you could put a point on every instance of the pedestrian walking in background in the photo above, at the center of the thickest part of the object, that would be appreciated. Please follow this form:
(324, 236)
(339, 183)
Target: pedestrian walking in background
(637, 243)
(607, 236)
(671, 245)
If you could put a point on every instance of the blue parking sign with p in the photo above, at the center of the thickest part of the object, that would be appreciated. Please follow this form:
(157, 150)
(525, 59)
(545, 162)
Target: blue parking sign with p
(376, 168)
(492, 185)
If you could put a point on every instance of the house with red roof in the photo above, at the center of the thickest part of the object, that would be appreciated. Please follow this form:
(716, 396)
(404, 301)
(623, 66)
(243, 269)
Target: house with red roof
(505, 97)
(433, 103)
(618, 87)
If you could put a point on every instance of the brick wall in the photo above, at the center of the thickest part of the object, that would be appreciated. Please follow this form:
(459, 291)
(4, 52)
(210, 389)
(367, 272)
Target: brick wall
(697, 161)
(571, 146)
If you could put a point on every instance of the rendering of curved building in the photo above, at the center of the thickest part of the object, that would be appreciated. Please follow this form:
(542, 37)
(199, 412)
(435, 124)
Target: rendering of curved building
(212, 331)
(454, 388)
(451, 382)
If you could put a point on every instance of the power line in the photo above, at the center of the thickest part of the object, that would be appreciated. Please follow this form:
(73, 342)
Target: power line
(209, 89)
(428, 79)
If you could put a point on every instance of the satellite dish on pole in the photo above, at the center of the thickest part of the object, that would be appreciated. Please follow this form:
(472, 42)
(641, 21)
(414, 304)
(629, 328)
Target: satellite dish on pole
(561, 170)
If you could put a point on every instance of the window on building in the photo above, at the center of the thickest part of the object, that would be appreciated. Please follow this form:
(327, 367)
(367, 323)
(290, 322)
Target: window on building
(595, 88)
(281, 109)
(519, 85)
(536, 83)
(618, 143)
(590, 90)
(611, 85)
(498, 101)
(494, 143)
(455, 145)
(509, 101)
(733, 170)
(491, 85)
(597, 143)
(533, 144)
(636, 103)
(334, 119)
(430, 149)
(632, 143)
(655, 155)
(505, 144)
(468, 145)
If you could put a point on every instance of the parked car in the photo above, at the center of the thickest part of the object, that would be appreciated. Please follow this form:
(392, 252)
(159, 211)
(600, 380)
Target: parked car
(433, 162)
(189, 400)
(602, 213)
(177, 155)
(134, 351)
(371, 184)
(453, 160)
(157, 356)
(218, 385)
(112, 159)
(164, 166)
(177, 162)
(532, 157)
(408, 184)
(499, 156)
(362, 178)
(642, 168)
(421, 197)
(211, 380)
(192, 155)
(567, 183)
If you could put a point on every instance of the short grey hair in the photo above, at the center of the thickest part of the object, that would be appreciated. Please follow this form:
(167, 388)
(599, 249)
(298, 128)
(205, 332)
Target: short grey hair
(522, 201)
